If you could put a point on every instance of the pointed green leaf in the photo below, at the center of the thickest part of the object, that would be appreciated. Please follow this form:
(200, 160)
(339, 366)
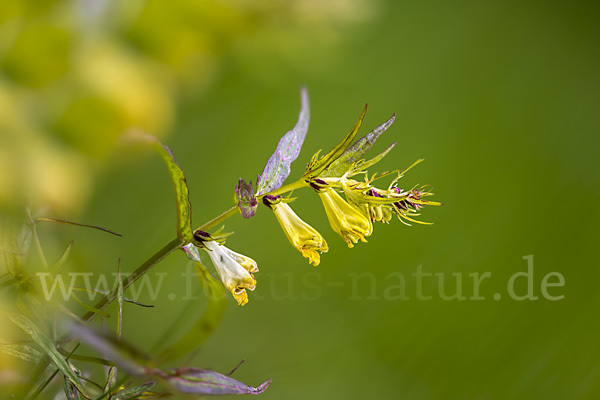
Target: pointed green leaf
(48, 347)
(59, 263)
(184, 208)
(316, 167)
(363, 165)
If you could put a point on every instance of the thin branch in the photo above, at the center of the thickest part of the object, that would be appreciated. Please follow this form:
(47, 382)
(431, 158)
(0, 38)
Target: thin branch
(62, 221)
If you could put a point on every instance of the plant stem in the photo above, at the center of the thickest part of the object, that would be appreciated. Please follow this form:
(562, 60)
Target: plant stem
(287, 188)
(217, 220)
(135, 275)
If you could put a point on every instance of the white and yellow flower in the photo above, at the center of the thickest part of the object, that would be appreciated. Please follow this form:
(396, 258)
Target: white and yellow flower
(234, 269)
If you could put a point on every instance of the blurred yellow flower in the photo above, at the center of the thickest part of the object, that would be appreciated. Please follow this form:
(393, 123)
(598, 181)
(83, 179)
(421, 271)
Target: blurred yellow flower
(345, 219)
(234, 269)
(301, 235)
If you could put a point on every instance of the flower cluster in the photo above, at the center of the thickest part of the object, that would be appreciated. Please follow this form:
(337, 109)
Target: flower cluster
(332, 175)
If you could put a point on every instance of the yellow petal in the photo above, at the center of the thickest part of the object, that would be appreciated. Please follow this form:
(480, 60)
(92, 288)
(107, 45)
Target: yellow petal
(301, 235)
(345, 219)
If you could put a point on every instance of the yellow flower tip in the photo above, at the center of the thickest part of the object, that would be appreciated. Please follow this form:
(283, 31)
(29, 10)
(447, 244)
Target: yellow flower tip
(301, 235)
(312, 255)
(351, 239)
(345, 219)
(240, 296)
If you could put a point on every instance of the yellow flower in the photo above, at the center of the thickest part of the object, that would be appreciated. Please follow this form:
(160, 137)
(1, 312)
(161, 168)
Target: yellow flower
(234, 269)
(301, 235)
(345, 219)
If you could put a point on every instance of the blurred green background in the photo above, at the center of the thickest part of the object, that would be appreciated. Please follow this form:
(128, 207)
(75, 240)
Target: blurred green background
(501, 98)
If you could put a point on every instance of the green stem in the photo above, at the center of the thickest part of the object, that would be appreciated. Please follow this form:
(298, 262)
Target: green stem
(217, 220)
(287, 188)
(169, 248)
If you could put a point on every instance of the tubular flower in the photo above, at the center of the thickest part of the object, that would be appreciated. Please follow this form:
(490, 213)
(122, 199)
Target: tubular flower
(301, 235)
(345, 219)
(234, 269)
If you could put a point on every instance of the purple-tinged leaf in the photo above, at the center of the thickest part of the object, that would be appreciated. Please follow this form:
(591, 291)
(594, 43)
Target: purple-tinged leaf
(363, 165)
(356, 151)
(246, 199)
(202, 381)
(288, 149)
